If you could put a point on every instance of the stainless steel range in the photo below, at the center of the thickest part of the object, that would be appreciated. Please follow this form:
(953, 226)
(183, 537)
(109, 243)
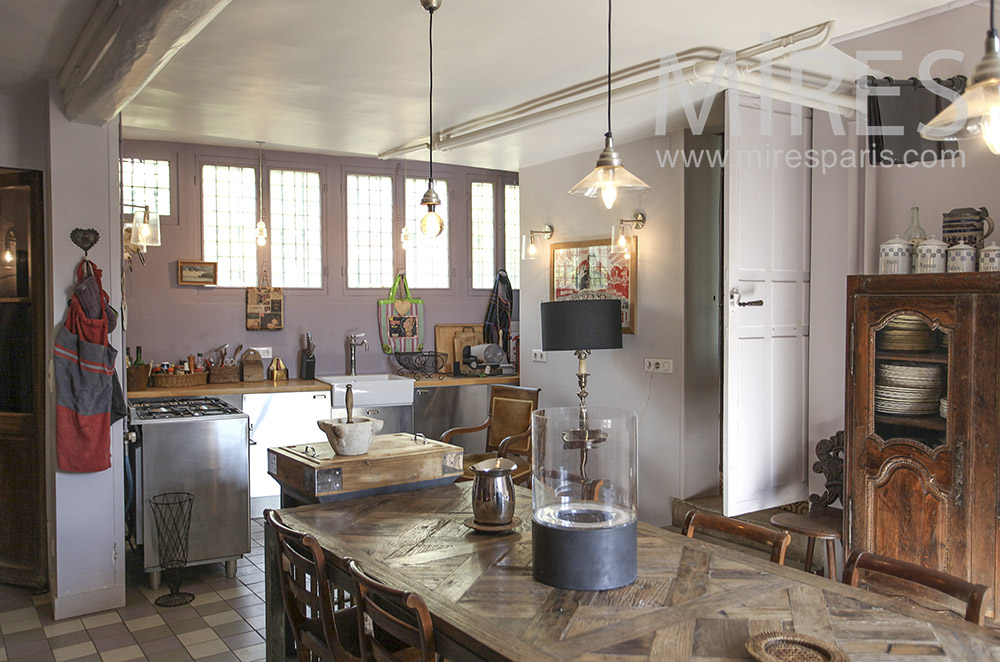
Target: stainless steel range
(198, 445)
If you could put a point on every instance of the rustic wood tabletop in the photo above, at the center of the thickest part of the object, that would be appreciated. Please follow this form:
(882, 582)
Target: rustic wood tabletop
(692, 601)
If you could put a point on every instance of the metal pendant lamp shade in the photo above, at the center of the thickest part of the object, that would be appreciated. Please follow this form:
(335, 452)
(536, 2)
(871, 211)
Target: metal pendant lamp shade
(572, 324)
(977, 111)
(431, 224)
(609, 175)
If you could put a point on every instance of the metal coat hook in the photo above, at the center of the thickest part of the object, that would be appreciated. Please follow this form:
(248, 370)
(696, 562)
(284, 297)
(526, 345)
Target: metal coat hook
(85, 239)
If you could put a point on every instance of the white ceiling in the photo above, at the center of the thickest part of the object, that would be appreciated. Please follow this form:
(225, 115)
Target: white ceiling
(351, 77)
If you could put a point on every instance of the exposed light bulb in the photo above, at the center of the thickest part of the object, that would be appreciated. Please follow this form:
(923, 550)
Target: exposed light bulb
(8, 256)
(532, 248)
(991, 129)
(609, 193)
(261, 233)
(431, 224)
(622, 240)
(144, 230)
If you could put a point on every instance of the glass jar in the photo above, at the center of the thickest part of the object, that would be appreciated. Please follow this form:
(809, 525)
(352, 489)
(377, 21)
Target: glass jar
(584, 518)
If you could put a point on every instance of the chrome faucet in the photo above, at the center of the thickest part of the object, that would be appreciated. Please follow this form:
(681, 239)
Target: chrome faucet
(352, 344)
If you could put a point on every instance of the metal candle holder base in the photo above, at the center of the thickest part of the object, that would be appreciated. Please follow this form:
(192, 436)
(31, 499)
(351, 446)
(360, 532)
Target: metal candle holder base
(584, 559)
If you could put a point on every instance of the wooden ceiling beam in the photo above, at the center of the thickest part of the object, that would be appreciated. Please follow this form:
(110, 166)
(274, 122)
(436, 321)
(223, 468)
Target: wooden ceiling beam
(123, 46)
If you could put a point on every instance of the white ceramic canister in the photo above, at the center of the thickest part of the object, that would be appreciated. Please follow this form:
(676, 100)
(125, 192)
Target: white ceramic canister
(989, 258)
(931, 257)
(961, 258)
(894, 256)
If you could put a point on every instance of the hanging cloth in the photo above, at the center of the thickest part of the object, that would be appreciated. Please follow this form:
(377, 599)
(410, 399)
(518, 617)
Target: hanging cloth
(496, 324)
(85, 377)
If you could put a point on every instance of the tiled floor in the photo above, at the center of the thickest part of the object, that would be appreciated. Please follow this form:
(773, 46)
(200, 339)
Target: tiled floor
(225, 622)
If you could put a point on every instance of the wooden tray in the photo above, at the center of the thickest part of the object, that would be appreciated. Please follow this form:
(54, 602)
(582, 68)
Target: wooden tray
(393, 459)
(173, 381)
(448, 337)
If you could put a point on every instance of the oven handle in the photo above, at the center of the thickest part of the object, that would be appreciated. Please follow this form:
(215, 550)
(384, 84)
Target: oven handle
(249, 430)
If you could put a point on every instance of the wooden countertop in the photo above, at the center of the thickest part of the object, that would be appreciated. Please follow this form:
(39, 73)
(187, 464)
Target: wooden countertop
(465, 381)
(266, 386)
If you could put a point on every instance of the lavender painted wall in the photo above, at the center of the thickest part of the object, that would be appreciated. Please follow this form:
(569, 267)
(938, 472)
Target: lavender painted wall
(171, 321)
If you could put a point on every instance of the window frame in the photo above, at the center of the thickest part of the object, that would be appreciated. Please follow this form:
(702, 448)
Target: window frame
(399, 174)
(147, 152)
(499, 180)
(263, 252)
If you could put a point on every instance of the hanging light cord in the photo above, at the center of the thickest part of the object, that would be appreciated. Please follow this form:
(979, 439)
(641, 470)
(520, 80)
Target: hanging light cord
(430, 97)
(993, 27)
(608, 135)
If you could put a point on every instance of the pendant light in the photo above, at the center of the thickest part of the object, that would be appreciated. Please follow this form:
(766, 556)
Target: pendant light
(431, 224)
(977, 111)
(609, 175)
(261, 226)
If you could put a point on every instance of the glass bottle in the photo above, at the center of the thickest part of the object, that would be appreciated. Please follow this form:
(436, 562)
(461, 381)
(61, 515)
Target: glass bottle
(199, 363)
(915, 235)
(138, 355)
(128, 357)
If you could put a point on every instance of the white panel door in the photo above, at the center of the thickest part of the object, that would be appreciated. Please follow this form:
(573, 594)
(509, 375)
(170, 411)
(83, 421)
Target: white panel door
(766, 264)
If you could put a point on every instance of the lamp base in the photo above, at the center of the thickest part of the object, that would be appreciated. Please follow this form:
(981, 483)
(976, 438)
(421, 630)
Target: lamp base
(584, 559)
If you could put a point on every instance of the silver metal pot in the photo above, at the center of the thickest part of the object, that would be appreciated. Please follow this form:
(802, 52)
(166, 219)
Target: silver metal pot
(493, 492)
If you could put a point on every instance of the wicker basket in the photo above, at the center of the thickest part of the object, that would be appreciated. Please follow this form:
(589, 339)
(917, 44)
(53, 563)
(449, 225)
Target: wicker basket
(172, 381)
(223, 374)
(137, 377)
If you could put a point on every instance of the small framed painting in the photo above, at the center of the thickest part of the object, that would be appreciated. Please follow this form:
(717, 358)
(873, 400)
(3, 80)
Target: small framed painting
(197, 273)
(590, 269)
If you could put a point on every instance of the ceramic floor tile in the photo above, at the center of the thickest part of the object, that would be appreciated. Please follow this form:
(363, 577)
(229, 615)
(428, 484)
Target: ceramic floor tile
(14, 627)
(104, 618)
(257, 622)
(252, 610)
(24, 636)
(17, 615)
(152, 634)
(161, 645)
(212, 608)
(27, 648)
(3, 654)
(197, 636)
(204, 649)
(178, 655)
(252, 653)
(221, 617)
(43, 599)
(63, 627)
(205, 598)
(229, 629)
(243, 640)
(73, 652)
(70, 639)
(112, 643)
(105, 631)
(38, 657)
(189, 625)
(221, 657)
(144, 622)
(123, 654)
(178, 614)
(235, 592)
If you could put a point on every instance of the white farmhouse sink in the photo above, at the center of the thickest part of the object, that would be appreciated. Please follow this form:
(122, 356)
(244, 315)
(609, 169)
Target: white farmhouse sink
(371, 389)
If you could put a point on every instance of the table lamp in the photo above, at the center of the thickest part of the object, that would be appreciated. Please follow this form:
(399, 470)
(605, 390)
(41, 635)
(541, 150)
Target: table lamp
(584, 523)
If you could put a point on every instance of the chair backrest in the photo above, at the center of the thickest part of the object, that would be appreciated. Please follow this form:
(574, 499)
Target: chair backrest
(973, 595)
(776, 540)
(510, 414)
(306, 594)
(401, 615)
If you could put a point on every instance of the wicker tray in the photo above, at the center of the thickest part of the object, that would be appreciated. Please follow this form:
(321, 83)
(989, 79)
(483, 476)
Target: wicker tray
(792, 647)
(224, 374)
(171, 381)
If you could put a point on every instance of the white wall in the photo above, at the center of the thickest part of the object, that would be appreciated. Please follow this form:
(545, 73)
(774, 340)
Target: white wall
(23, 133)
(617, 378)
(87, 533)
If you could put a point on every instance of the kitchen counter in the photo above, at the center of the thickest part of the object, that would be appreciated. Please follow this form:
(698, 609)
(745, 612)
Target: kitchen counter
(236, 388)
(465, 381)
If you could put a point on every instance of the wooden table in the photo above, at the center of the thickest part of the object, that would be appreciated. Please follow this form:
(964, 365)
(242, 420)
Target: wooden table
(692, 601)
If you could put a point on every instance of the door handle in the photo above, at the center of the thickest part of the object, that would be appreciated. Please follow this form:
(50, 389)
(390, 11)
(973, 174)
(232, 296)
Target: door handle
(319, 396)
(423, 391)
(372, 412)
(734, 295)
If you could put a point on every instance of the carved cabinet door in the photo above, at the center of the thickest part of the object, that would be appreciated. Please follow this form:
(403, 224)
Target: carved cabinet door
(909, 432)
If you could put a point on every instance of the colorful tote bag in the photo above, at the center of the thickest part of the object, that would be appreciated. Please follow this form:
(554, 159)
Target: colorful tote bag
(401, 319)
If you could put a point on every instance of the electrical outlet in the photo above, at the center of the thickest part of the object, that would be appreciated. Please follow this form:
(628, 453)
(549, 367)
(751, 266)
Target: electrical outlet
(265, 352)
(658, 365)
(538, 356)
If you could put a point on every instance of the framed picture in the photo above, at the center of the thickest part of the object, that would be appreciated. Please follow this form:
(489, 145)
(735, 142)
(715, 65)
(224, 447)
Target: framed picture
(197, 273)
(589, 269)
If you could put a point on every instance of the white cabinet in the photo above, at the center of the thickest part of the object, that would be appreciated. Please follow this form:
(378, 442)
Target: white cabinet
(279, 419)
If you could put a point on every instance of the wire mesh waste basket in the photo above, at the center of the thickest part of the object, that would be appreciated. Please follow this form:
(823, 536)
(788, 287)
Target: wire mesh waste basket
(172, 514)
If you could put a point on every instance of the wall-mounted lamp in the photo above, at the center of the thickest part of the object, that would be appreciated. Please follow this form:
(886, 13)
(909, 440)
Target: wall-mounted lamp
(9, 246)
(529, 249)
(261, 228)
(624, 229)
(144, 228)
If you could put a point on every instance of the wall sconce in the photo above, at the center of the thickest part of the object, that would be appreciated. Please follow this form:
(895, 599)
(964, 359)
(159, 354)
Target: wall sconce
(624, 229)
(9, 246)
(529, 250)
(145, 228)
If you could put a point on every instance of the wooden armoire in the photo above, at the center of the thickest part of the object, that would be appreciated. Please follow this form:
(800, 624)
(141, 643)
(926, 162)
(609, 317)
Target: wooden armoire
(923, 421)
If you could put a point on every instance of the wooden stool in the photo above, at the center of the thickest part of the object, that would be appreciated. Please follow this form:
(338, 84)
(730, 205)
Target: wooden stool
(818, 524)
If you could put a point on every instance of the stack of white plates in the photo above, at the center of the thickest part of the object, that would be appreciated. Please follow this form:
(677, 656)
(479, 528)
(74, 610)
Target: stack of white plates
(909, 375)
(907, 400)
(907, 333)
(943, 408)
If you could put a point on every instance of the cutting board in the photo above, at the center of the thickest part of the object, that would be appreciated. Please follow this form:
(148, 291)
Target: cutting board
(451, 338)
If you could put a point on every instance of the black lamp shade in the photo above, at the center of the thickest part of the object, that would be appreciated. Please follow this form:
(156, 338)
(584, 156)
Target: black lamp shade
(572, 324)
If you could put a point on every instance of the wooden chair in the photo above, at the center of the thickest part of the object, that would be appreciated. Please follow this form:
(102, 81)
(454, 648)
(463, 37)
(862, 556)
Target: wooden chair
(822, 522)
(776, 540)
(973, 595)
(508, 430)
(401, 615)
(320, 632)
